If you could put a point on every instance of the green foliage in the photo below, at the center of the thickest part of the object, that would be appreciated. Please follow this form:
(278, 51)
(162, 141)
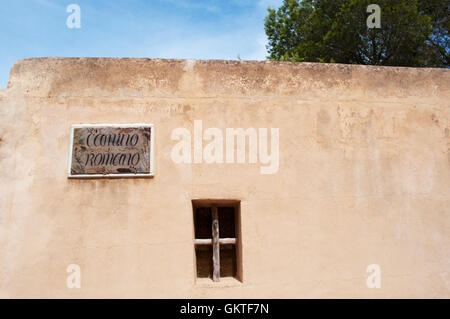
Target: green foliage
(412, 33)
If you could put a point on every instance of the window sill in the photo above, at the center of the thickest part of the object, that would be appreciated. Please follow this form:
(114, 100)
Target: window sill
(225, 282)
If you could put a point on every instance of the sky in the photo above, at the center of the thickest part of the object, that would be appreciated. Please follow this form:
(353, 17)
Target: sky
(184, 29)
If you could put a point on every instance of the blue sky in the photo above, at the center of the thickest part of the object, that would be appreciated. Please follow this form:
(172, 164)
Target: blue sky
(185, 29)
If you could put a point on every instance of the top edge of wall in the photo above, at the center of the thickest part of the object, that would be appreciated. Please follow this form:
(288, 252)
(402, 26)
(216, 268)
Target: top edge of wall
(142, 77)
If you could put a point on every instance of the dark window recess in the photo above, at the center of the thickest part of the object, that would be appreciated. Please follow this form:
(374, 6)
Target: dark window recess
(203, 255)
(203, 223)
(226, 222)
(217, 244)
(228, 261)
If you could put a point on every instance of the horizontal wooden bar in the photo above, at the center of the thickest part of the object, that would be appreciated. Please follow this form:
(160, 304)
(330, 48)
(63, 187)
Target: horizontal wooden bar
(203, 241)
(222, 241)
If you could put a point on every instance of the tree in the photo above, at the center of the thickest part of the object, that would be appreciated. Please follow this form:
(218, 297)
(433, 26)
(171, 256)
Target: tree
(412, 32)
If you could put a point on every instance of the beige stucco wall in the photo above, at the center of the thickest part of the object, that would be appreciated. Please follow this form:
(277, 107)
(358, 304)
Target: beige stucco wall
(364, 178)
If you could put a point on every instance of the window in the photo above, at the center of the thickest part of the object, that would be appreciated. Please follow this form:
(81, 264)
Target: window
(218, 251)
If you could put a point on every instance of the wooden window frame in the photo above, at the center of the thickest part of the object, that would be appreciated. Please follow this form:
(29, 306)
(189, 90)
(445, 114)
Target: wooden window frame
(216, 241)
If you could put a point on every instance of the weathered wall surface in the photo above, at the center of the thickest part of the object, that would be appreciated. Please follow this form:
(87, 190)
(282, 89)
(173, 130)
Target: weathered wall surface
(364, 178)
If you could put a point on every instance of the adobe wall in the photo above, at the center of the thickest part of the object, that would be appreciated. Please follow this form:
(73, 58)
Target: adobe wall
(363, 178)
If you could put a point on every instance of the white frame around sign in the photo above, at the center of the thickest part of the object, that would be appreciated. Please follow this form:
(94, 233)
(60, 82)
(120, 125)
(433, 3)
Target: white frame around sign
(152, 139)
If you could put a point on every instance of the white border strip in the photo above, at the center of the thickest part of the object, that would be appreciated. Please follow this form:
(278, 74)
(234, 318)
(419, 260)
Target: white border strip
(152, 140)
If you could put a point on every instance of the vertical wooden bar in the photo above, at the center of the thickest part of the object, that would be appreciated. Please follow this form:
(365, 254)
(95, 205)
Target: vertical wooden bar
(215, 242)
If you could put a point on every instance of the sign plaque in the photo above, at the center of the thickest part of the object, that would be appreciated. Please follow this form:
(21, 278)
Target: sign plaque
(111, 150)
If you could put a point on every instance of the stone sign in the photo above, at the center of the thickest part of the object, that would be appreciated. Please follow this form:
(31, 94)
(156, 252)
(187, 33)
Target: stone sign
(111, 150)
